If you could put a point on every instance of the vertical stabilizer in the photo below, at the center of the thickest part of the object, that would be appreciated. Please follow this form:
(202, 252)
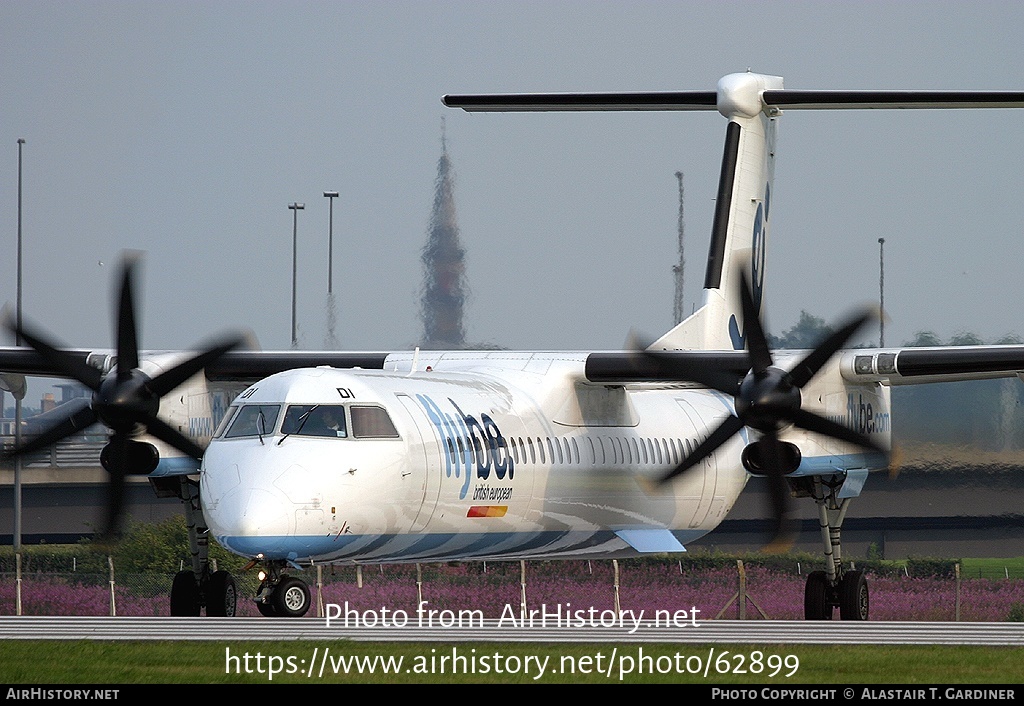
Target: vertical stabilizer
(742, 211)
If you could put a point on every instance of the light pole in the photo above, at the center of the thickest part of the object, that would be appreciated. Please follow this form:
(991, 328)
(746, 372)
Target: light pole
(17, 415)
(295, 208)
(881, 292)
(331, 195)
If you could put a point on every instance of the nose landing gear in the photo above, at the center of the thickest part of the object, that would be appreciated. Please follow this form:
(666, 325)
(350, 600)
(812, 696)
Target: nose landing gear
(280, 595)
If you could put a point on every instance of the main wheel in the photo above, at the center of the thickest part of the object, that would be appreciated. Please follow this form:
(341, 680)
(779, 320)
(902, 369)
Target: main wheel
(184, 595)
(221, 595)
(291, 597)
(853, 596)
(816, 603)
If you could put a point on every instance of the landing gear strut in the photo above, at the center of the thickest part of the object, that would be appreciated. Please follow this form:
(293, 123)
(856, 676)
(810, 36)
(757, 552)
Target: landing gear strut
(199, 587)
(834, 587)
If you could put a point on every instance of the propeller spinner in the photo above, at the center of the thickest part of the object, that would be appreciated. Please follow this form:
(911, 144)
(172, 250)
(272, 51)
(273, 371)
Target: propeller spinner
(767, 399)
(126, 400)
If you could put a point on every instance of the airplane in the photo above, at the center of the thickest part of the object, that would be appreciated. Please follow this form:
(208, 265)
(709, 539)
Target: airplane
(417, 456)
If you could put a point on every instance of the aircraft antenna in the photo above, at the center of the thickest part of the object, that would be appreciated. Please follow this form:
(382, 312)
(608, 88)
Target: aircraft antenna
(677, 269)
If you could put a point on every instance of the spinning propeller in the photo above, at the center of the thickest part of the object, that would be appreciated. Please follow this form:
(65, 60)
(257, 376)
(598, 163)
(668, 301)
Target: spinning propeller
(767, 399)
(126, 400)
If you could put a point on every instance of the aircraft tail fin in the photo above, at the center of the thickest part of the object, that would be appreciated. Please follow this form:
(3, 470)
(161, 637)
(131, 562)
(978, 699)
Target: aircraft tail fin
(752, 104)
(742, 210)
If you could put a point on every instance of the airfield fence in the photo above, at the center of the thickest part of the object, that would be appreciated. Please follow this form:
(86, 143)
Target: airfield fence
(507, 589)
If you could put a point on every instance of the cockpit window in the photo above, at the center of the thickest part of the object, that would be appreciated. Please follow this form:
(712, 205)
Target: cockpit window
(314, 420)
(372, 423)
(254, 420)
(228, 416)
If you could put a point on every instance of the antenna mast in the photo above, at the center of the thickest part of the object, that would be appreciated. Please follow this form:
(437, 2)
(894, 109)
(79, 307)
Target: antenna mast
(677, 269)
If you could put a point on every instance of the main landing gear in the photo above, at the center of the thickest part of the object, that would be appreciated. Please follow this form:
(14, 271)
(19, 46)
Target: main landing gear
(835, 587)
(200, 587)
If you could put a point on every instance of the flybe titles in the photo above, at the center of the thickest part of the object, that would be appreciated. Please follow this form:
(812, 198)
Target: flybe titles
(471, 447)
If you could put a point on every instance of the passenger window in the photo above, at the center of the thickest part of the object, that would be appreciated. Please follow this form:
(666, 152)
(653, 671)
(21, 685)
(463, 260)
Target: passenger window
(372, 423)
(254, 420)
(551, 450)
(314, 420)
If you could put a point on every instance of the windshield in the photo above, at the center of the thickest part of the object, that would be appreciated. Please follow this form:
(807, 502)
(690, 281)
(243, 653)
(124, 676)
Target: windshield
(315, 420)
(254, 420)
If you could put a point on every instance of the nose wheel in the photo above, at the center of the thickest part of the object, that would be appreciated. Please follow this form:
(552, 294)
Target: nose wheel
(282, 596)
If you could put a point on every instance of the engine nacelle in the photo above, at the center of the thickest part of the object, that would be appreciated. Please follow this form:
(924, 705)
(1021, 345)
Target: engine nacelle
(142, 458)
(755, 455)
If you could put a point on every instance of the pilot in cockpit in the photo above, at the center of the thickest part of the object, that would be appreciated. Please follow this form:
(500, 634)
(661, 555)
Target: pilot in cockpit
(331, 421)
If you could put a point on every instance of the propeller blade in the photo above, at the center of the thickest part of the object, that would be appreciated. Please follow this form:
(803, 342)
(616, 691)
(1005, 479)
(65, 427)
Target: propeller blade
(813, 422)
(807, 368)
(165, 432)
(719, 436)
(71, 366)
(785, 529)
(118, 446)
(127, 331)
(757, 341)
(78, 418)
(170, 379)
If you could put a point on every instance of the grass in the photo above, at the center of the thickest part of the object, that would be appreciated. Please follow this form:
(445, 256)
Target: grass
(98, 662)
(992, 568)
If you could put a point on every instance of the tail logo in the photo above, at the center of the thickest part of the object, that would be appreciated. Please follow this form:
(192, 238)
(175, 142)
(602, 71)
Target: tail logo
(757, 256)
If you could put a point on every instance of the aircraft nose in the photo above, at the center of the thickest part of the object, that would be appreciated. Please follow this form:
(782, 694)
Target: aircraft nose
(254, 512)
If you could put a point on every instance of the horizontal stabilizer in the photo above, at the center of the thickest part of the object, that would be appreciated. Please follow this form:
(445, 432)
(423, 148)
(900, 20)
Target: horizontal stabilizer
(533, 102)
(770, 100)
(853, 100)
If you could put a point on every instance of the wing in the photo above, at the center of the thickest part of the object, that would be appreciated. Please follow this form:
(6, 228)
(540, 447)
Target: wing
(915, 366)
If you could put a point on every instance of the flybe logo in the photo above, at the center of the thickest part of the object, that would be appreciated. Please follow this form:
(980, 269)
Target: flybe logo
(862, 417)
(472, 447)
(757, 253)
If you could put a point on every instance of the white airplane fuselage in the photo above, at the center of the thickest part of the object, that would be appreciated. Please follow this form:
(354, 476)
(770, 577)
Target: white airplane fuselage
(506, 456)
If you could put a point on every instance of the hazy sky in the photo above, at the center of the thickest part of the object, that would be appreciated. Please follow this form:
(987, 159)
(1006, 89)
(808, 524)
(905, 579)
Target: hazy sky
(185, 129)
